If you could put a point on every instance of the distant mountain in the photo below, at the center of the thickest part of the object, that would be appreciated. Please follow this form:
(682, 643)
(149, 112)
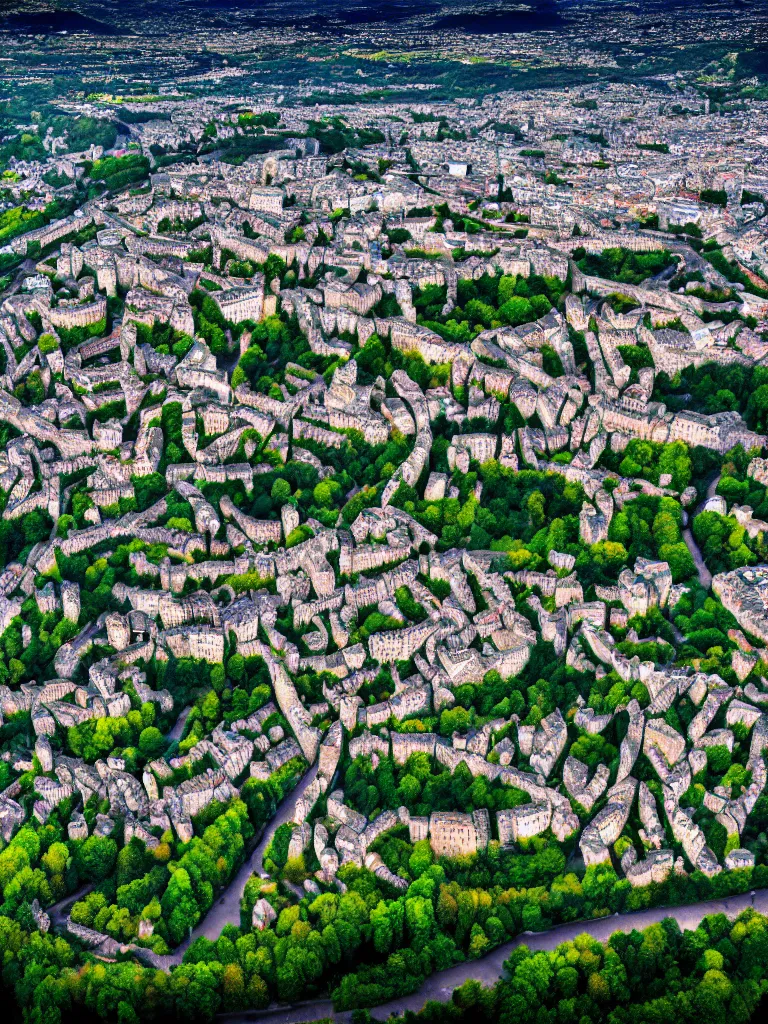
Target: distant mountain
(110, 17)
(501, 17)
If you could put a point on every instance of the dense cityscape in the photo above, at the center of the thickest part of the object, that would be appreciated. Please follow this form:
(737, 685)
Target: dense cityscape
(384, 519)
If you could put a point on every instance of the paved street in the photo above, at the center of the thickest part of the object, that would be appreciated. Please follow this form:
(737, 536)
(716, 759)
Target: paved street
(705, 576)
(226, 910)
(490, 968)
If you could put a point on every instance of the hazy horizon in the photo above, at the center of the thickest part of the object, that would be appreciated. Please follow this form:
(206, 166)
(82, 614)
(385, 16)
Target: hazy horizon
(480, 16)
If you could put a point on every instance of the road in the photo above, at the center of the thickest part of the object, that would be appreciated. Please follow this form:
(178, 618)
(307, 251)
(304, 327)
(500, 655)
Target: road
(226, 910)
(705, 576)
(178, 727)
(59, 912)
(23, 270)
(490, 968)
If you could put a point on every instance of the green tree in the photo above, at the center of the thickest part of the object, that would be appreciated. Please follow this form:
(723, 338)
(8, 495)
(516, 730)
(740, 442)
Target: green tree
(151, 742)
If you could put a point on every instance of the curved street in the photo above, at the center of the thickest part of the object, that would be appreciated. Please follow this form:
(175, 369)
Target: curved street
(490, 968)
(705, 576)
(178, 728)
(226, 909)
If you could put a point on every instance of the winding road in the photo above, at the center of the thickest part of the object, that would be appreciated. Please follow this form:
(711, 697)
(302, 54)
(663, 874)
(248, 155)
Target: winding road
(490, 968)
(226, 910)
(176, 732)
(705, 576)
(59, 912)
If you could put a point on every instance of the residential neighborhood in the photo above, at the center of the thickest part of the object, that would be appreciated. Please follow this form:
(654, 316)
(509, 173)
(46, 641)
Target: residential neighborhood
(384, 521)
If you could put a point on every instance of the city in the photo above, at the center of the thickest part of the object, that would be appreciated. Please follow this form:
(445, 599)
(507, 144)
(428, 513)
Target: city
(384, 520)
